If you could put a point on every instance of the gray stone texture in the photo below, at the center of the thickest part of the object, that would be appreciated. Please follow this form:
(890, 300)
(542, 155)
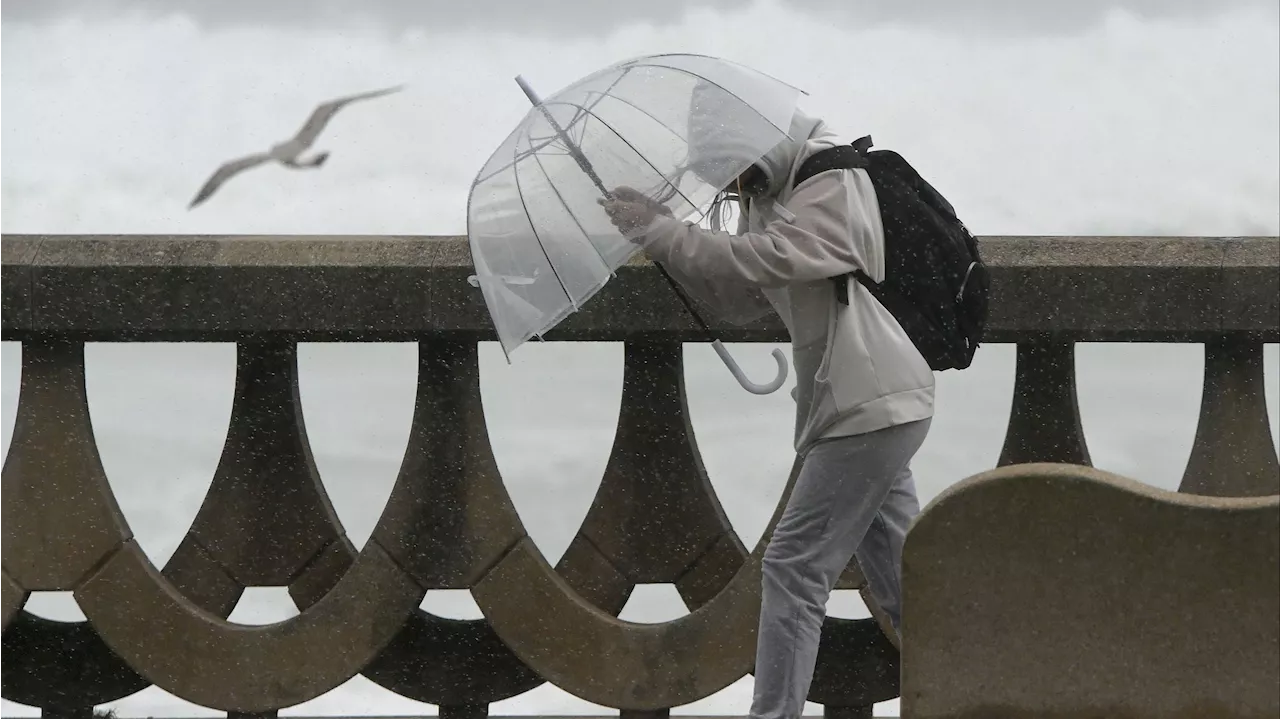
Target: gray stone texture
(389, 288)
(1058, 591)
(1086, 582)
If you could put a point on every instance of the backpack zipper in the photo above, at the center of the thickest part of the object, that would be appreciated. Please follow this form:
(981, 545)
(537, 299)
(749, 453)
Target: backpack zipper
(965, 281)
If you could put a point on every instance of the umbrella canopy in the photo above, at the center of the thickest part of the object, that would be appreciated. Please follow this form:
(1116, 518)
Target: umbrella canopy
(540, 242)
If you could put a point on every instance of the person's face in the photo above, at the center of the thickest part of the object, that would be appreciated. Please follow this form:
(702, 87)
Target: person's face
(752, 181)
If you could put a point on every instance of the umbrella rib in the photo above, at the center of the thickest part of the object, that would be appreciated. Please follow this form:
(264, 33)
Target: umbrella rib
(643, 61)
(533, 228)
(587, 109)
(636, 107)
(727, 91)
(533, 150)
(664, 126)
(632, 147)
(583, 127)
(572, 216)
(519, 156)
(667, 275)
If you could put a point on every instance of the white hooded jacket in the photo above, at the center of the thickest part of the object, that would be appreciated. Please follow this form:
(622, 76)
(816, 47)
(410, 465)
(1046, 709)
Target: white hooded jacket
(856, 369)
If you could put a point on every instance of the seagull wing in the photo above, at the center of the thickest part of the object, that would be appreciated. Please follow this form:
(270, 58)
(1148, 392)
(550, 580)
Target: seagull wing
(322, 114)
(224, 173)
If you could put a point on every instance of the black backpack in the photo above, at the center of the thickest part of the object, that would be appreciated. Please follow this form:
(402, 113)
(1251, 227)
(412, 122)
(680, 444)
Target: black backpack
(935, 283)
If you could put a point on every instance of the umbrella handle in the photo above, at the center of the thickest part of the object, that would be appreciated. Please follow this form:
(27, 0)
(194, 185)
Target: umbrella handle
(747, 384)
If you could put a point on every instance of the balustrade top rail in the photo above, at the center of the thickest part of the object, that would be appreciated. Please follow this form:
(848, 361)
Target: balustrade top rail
(389, 288)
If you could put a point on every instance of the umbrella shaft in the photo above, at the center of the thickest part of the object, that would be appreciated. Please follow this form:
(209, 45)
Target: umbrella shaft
(569, 144)
(688, 304)
(585, 164)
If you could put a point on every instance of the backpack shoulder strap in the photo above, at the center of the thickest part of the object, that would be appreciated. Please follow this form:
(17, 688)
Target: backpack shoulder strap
(843, 157)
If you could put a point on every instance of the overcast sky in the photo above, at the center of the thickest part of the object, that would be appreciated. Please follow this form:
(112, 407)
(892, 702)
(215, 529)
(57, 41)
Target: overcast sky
(578, 17)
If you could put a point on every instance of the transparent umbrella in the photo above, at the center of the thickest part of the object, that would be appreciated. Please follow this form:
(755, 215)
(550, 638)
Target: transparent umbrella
(542, 245)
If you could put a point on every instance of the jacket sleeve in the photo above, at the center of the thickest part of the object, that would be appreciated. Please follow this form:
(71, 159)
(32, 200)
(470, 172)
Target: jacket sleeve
(836, 230)
(735, 301)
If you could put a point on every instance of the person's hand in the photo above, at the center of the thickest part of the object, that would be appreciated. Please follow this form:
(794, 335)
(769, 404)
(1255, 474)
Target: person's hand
(631, 210)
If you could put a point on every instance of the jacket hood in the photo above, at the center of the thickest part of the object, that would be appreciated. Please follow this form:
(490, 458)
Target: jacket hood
(780, 163)
(725, 134)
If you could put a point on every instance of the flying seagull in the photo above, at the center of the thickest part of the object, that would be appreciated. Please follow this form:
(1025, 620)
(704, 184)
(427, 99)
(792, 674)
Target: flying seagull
(289, 152)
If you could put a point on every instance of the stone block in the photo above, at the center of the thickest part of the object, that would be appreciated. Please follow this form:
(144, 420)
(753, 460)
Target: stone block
(1061, 591)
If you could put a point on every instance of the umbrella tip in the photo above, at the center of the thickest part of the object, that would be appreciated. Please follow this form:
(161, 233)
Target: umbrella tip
(528, 90)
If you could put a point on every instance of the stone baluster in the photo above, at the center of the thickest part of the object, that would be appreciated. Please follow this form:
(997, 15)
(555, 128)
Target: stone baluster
(1233, 455)
(50, 473)
(1044, 424)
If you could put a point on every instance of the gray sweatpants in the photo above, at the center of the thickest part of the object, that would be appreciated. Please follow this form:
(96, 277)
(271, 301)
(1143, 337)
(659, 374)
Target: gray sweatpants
(854, 495)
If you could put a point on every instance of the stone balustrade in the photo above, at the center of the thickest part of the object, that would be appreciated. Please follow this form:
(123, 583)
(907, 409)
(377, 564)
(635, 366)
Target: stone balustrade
(449, 523)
